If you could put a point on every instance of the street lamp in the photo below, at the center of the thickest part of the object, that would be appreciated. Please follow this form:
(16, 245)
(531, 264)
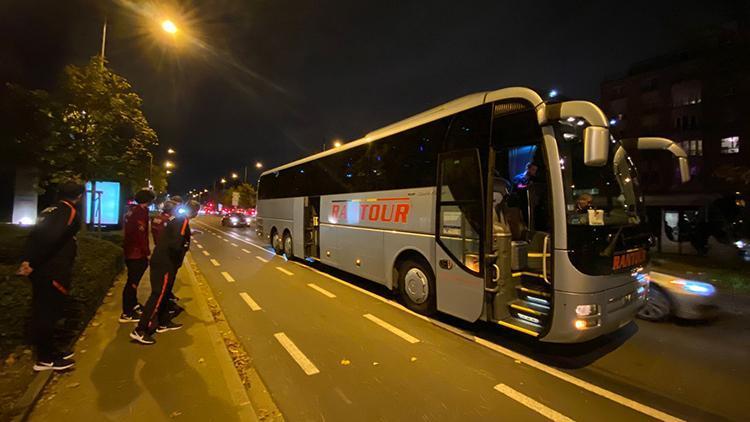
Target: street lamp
(337, 144)
(171, 151)
(234, 175)
(223, 180)
(168, 164)
(169, 171)
(258, 165)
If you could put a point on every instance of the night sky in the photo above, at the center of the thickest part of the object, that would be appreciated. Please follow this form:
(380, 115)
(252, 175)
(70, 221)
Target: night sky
(274, 80)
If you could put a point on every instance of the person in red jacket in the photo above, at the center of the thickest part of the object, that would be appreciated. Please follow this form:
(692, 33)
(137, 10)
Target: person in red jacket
(136, 250)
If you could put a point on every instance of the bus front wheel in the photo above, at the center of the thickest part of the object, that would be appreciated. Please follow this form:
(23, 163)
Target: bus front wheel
(417, 287)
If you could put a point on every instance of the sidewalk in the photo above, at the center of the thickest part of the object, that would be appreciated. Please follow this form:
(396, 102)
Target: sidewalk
(188, 375)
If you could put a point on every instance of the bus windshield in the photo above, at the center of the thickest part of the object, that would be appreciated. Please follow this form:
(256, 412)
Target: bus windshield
(603, 205)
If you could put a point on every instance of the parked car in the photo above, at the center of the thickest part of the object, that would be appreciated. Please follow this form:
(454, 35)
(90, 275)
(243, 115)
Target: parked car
(672, 295)
(235, 220)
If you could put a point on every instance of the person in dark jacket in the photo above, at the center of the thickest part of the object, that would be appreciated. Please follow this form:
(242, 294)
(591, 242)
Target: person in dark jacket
(48, 262)
(159, 222)
(137, 251)
(167, 258)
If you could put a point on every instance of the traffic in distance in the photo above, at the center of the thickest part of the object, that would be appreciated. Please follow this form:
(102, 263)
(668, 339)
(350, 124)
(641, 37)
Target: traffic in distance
(497, 206)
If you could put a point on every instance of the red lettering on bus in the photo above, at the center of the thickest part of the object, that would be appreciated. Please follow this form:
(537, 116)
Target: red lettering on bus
(362, 211)
(374, 212)
(402, 211)
(383, 216)
(334, 212)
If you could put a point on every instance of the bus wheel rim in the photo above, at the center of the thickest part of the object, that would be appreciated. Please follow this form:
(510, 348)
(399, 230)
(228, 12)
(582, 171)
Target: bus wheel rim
(288, 245)
(416, 285)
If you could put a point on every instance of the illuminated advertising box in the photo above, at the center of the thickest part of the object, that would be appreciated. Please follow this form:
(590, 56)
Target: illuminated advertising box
(106, 203)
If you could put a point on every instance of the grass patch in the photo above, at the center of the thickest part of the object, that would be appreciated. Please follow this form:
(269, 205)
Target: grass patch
(96, 266)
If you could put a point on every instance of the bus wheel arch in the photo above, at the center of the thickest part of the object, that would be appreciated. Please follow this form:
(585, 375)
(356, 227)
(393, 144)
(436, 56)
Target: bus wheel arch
(287, 243)
(415, 282)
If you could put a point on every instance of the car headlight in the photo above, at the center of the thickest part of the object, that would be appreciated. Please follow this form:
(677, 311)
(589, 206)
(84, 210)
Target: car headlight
(234, 220)
(696, 287)
(247, 219)
(740, 244)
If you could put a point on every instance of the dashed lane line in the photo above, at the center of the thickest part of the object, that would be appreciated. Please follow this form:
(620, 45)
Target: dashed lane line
(234, 244)
(215, 262)
(199, 246)
(260, 258)
(532, 404)
(245, 250)
(297, 355)
(395, 330)
(227, 277)
(321, 290)
(250, 302)
(206, 253)
(285, 271)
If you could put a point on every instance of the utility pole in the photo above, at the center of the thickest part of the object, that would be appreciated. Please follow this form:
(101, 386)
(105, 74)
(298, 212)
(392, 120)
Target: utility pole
(104, 42)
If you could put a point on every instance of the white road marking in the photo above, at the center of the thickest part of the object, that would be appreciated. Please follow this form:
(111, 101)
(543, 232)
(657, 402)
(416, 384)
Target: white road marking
(233, 244)
(532, 404)
(245, 250)
(225, 239)
(250, 302)
(397, 331)
(297, 355)
(321, 290)
(215, 262)
(287, 272)
(206, 253)
(617, 398)
(227, 277)
(262, 259)
(199, 246)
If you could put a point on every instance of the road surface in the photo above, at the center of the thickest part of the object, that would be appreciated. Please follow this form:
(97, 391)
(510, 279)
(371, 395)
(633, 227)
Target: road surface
(331, 347)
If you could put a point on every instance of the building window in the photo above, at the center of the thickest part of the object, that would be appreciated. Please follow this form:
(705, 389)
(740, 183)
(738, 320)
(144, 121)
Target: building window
(693, 148)
(730, 145)
(686, 93)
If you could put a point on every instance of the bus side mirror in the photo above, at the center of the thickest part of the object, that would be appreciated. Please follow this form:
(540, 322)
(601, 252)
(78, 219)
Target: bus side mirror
(671, 146)
(595, 146)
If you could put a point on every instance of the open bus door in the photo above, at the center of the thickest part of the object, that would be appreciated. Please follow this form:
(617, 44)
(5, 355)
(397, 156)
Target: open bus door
(459, 234)
(312, 227)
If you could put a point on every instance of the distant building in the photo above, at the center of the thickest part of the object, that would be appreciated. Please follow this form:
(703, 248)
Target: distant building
(700, 98)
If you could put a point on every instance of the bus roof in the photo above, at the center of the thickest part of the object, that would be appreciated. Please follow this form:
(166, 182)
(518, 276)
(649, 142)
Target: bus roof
(447, 109)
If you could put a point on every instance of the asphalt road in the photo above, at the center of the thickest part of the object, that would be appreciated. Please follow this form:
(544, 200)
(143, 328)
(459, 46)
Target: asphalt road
(333, 347)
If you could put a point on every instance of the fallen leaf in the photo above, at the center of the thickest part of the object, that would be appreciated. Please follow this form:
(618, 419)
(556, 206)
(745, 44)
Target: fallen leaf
(175, 414)
(517, 361)
(96, 324)
(413, 359)
(375, 364)
(109, 294)
(345, 362)
(201, 360)
(74, 384)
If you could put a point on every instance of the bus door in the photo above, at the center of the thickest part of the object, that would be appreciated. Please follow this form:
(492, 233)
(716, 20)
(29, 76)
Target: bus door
(459, 233)
(312, 227)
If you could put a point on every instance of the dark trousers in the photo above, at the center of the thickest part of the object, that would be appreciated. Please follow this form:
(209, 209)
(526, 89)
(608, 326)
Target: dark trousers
(156, 311)
(136, 268)
(48, 299)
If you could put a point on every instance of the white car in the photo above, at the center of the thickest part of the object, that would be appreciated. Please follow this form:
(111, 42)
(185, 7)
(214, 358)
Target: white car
(672, 295)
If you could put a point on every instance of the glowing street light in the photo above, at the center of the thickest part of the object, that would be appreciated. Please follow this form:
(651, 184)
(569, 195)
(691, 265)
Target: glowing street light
(235, 175)
(169, 171)
(258, 165)
(336, 144)
(169, 27)
(223, 180)
(171, 151)
(168, 164)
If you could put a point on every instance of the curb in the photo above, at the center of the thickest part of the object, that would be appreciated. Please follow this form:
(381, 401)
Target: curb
(32, 394)
(237, 390)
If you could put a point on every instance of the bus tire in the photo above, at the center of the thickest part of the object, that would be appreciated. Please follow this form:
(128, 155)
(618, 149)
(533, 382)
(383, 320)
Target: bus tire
(276, 241)
(416, 285)
(287, 244)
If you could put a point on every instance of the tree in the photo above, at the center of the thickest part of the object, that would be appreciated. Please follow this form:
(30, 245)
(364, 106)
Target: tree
(247, 195)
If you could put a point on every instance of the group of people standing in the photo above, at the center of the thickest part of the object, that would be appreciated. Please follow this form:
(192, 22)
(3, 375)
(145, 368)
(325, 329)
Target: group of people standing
(171, 238)
(50, 254)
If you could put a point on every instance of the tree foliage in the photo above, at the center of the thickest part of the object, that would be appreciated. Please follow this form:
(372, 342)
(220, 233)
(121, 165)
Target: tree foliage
(247, 195)
(90, 128)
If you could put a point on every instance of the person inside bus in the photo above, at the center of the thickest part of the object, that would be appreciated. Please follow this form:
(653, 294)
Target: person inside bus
(583, 204)
(523, 180)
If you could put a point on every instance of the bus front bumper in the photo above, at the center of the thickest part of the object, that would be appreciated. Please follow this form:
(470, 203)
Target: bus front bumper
(616, 308)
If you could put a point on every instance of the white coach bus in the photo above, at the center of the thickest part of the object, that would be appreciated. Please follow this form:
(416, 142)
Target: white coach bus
(496, 206)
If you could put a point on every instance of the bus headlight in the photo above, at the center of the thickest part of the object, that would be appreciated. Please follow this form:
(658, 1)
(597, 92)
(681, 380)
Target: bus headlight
(582, 324)
(587, 310)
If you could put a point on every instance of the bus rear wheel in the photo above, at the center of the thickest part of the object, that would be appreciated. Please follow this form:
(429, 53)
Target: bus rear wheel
(417, 287)
(288, 244)
(276, 242)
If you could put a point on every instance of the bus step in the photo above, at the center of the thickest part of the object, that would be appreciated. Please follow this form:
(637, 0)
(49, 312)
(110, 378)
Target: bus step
(524, 291)
(529, 307)
(522, 326)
